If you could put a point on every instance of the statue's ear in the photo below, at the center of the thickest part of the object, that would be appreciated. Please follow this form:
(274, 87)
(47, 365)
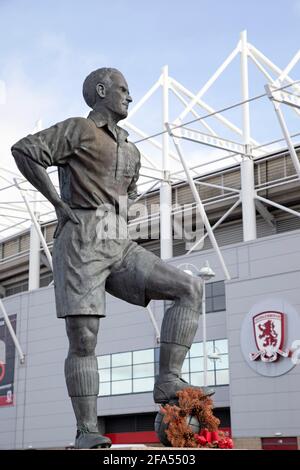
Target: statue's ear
(100, 89)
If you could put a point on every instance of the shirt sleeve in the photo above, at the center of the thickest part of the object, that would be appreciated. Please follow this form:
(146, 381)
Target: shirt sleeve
(52, 146)
(132, 189)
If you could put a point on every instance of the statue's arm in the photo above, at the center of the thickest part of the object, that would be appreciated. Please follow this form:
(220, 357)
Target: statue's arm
(37, 176)
(35, 153)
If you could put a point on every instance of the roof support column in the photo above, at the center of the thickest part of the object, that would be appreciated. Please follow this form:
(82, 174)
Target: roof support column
(166, 239)
(34, 255)
(247, 164)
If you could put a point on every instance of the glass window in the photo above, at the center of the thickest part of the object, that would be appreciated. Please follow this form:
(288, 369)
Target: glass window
(219, 303)
(143, 370)
(208, 289)
(103, 361)
(209, 304)
(215, 296)
(121, 387)
(196, 350)
(121, 359)
(209, 347)
(139, 357)
(196, 364)
(186, 377)
(104, 389)
(143, 385)
(185, 366)
(104, 375)
(211, 378)
(218, 288)
(121, 373)
(222, 377)
(197, 378)
(221, 346)
(156, 354)
(222, 363)
(210, 364)
(134, 372)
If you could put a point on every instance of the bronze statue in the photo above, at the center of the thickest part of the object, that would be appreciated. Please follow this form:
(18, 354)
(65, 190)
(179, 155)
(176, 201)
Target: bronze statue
(97, 165)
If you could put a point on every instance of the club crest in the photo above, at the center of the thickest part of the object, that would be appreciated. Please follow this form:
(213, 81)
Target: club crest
(268, 329)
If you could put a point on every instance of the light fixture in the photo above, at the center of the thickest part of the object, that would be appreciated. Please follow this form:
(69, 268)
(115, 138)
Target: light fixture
(189, 268)
(214, 356)
(206, 273)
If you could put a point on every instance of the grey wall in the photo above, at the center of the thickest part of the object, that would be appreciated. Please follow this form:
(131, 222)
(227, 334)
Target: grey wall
(42, 415)
(262, 406)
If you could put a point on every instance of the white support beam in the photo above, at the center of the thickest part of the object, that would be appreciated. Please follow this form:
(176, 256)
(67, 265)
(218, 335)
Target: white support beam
(218, 186)
(150, 140)
(145, 192)
(247, 164)
(285, 130)
(266, 215)
(150, 161)
(37, 226)
(260, 56)
(11, 226)
(209, 140)
(200, 206)
(278, 206)
(154, 323)
(194, 113)
(144, 99)
(260, 67)
(166, 237)
(210, 82)
(34, 256)
(282, 96)
(266, 74)
(288, 68)
(210, 110)
(224, 216)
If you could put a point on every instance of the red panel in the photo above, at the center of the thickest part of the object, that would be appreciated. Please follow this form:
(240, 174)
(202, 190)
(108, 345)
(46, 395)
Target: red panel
(279, 443)
(143, 437)
(4, 402)
(133, 437)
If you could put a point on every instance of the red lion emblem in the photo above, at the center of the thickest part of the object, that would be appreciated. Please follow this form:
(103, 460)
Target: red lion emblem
(268, 329)
(269, 333)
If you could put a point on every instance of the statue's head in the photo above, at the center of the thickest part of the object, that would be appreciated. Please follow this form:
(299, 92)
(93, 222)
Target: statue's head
(107, 88)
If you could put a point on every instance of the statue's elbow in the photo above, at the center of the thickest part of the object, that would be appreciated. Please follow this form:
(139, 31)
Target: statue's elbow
(18, 157)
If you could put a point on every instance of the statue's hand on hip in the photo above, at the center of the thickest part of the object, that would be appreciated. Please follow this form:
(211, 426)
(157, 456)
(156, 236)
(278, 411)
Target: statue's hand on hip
(64, 213)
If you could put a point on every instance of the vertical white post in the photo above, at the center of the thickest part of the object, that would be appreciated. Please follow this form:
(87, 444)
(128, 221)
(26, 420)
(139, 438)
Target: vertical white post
(166, 241)
(34, 253)
(204, 335)
(247, 165)
(286, 134)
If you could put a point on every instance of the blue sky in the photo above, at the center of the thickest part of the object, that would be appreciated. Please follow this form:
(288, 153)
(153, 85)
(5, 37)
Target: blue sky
(48, 47)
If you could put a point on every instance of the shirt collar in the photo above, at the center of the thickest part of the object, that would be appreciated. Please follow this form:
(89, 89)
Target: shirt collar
(101, 121)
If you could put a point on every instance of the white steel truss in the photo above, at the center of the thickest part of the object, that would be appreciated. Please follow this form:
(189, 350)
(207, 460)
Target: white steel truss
(173, 166)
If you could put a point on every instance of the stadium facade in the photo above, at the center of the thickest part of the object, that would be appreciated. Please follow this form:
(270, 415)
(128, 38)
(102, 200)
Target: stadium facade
(257, 394)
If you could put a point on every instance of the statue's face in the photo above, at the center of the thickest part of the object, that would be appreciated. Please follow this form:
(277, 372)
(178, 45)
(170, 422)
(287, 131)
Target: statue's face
(117, 97)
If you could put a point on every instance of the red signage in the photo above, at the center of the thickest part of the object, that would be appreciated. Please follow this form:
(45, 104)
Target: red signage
(268, 329)
(7, 363)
